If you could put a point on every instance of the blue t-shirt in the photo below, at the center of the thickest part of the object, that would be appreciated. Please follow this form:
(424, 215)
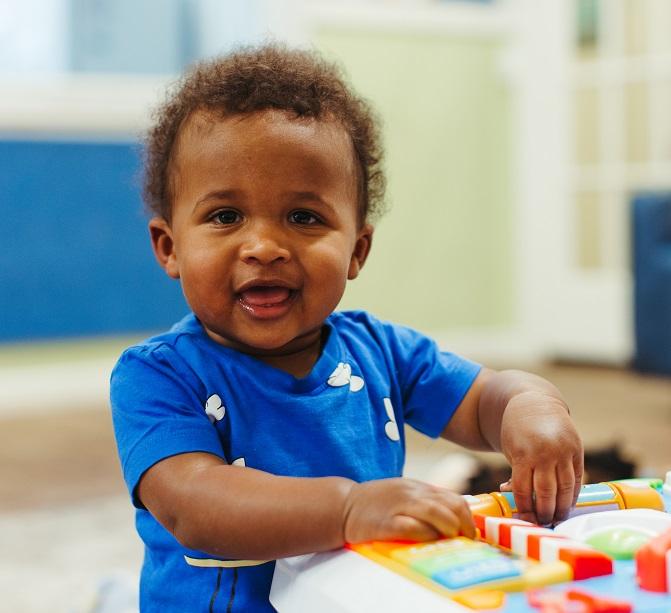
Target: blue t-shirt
(183, 392)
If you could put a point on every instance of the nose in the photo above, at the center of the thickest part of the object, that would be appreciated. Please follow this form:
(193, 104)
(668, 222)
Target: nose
(264, 245)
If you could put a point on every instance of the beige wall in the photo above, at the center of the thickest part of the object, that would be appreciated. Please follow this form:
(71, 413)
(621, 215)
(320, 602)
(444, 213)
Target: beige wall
(442, 255)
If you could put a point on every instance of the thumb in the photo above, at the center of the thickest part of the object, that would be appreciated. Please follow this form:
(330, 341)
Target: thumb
(506, 486)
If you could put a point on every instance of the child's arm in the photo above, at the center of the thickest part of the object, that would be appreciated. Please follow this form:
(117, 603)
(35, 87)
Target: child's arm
(243, 513)
(525, 417)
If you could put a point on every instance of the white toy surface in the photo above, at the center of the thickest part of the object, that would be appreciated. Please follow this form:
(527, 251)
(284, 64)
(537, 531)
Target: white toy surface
(647, 521)
(346, 582)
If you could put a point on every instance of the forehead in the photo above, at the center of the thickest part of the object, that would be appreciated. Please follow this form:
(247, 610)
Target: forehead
(236, 141)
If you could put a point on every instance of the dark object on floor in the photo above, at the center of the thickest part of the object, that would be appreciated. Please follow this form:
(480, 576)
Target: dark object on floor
(607, 464)
(488, 479)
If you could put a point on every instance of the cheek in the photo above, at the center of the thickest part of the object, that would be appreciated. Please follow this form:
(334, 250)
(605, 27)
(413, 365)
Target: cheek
(204, 256)
(328, 267)
(329, 258)
(203, 276)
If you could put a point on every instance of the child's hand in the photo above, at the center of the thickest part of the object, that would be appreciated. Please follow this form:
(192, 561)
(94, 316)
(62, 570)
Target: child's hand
(404, 509)
(543, 447)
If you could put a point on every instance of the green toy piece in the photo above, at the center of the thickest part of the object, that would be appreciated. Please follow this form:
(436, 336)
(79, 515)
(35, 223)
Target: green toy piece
(620, 543)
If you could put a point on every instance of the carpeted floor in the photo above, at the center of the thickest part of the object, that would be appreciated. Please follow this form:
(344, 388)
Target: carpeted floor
(61, 559)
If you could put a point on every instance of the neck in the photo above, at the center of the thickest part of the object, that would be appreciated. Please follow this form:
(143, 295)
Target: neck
(297, 357)
(298, 363)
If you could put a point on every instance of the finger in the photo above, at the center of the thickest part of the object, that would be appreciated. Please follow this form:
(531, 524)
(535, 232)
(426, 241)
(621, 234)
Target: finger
(522, 482)
(466, 524)
(464, 517)
(565, 491)
(437, 512)
(506, 486)
(407, 528)
(545, 493)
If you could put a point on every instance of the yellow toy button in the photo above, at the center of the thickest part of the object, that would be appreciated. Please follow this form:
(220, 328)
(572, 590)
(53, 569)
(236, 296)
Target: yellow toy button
(481, 600)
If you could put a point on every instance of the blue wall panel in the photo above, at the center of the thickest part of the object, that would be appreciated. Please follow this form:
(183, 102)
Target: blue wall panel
(75, 257)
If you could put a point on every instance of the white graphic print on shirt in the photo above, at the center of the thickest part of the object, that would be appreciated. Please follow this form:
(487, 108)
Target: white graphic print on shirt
(391, 427)
(214, 408)
(342, 375)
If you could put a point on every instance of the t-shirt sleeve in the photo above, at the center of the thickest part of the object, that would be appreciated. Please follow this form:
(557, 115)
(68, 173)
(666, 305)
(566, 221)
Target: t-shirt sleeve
(433, 382)
(156, 413)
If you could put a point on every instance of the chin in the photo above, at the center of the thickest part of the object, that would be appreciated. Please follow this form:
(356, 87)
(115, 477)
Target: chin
(268, 345)
(261, 342)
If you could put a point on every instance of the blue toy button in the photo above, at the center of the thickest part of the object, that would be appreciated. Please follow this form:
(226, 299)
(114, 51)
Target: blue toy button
(466, 575)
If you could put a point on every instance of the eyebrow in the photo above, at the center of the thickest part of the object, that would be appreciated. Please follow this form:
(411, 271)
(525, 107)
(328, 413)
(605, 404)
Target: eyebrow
(223, 194)
(312, 196)
(218, 194)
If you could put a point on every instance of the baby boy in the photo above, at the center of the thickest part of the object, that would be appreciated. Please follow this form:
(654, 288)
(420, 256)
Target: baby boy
(265, 423)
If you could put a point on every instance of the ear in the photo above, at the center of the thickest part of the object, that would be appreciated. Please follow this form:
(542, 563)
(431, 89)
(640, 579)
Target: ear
(163, 245)
(362, 247)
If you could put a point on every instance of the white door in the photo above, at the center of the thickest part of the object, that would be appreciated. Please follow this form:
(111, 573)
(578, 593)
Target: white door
(596, 129)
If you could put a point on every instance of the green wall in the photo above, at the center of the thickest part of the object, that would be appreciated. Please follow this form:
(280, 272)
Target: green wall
(442, 255)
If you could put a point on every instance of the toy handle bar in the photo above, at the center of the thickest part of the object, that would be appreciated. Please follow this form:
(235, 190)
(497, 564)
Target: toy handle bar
(593, 497)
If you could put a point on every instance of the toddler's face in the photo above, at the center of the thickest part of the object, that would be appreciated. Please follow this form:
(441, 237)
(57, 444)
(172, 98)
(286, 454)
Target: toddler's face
(264, 231)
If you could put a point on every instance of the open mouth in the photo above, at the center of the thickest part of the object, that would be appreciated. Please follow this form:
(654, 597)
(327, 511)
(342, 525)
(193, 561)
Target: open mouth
(266, 301)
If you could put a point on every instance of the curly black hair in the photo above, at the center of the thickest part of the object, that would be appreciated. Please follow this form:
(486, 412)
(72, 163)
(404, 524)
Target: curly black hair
(253, 79)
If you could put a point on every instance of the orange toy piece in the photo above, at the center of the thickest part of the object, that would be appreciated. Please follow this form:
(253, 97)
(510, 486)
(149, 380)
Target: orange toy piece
(479, 521)
(586, 563)
(637, 497)
(574, 601)
(653, 564)
(501, 530)
(485, 504)
(599, 604)
(534, 544)
(550, 602)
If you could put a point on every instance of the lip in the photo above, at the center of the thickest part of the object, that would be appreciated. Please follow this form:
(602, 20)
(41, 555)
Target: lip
(270, 282)
(266, 312)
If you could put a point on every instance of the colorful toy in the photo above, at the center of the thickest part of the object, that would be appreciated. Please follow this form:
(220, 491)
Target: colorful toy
(653, 564)
(514, 556)
(463, 569)
(544, 545)
(513, 566)
(595, 497)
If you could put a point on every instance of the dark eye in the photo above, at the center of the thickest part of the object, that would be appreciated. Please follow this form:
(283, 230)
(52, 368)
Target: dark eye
(226, 217)
(304, 218)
